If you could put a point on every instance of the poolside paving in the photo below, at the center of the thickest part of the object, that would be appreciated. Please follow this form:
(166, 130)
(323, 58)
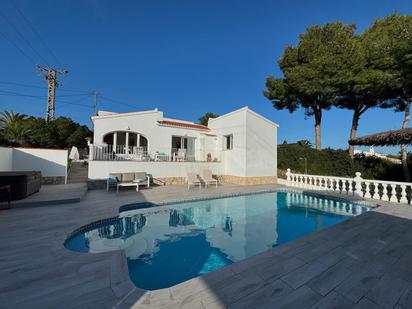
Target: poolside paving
(364, 262)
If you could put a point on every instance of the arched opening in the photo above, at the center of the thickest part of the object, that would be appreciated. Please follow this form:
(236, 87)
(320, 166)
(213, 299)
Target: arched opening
(126, 142)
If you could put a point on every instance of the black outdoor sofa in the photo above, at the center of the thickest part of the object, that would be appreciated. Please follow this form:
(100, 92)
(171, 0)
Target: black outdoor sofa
(22, 184)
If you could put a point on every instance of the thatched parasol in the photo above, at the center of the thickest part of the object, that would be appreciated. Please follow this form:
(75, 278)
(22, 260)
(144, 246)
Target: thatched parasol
(387, 138)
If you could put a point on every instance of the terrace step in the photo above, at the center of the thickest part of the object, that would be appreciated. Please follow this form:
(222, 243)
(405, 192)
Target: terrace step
(78, 173)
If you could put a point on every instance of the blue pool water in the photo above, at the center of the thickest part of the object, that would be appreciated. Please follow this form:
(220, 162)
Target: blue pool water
(181, 241)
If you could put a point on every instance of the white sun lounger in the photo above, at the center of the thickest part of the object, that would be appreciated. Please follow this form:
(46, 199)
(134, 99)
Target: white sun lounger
(207, 177)
(192, 180)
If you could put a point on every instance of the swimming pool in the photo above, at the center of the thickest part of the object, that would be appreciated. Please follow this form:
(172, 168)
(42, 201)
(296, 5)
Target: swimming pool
(180, 241)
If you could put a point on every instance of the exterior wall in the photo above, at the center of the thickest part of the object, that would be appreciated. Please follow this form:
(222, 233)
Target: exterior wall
(207, 144)
(52, 163)
(6, 161)
(253, 159)
(101, 169)
(261, 146)
(159, 137)
(234, 160)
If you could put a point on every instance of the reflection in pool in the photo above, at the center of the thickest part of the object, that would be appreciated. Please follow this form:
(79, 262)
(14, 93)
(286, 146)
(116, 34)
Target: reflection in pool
(177, 242)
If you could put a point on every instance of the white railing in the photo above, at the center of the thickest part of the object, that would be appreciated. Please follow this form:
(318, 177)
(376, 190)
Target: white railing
(118, 153)
(390, 191)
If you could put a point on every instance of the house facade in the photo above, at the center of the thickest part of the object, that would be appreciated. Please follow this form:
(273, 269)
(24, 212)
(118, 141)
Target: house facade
(239, 147)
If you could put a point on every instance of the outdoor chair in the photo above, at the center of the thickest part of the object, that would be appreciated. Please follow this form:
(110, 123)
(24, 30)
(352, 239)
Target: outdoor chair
(118, 180)
(207, 177)
(193, 180)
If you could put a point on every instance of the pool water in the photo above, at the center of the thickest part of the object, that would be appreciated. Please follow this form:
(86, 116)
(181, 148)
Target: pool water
(185, 240)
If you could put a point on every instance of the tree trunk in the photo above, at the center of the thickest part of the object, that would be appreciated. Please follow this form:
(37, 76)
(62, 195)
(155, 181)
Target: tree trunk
(404, 151)
(318, 120)
(353, 131)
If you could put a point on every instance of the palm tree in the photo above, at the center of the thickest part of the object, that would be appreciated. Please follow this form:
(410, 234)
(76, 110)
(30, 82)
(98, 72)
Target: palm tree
(12, 127)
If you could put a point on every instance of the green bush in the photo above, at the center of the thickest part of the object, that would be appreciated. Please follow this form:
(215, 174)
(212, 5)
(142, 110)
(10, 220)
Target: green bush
(334, 162)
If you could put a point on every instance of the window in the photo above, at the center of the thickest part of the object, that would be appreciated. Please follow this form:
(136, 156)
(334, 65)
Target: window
(228, 142)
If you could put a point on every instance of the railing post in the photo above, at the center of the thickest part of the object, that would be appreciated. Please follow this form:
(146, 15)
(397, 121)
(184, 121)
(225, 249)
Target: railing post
(288, 176)
(358, 184)
(91, 152)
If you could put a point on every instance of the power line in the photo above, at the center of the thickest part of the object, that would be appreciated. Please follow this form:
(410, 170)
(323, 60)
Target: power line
(118, 102)
(40, 87)
(23, 37)
(11, 93)
(73, 103)
(16, 94)
(18, 48)
(31, 26)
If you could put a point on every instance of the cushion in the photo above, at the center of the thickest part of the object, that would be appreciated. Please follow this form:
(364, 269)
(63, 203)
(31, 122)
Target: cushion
(116, 176)
(127, 177)
(142, 176)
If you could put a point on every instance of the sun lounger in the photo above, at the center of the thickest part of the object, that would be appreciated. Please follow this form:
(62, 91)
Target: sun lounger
(193, 180)
(207, 177)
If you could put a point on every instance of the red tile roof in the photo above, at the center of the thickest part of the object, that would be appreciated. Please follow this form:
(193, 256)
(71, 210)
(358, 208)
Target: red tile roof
(183, 125)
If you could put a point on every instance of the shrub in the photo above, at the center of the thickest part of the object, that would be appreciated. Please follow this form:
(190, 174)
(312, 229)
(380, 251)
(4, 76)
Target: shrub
(335, 162)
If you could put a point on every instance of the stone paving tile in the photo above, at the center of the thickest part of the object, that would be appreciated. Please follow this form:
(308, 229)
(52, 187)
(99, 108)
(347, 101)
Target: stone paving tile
(304, 274)
(406, 298)
(264, 297)
(301, 298)
(333, 301)
(365, 303)
(358, 284)
(242, 286)
(332, 257)
(212, 280)
(275, 269)
(387, 291)
(315, 252)
(329, 279)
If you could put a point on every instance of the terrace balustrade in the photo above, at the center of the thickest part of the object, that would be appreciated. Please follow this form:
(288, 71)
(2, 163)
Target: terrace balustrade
(118, 153)
(389, 191)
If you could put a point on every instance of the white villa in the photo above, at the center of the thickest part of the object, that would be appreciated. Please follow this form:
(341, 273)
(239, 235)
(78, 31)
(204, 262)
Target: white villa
(239, 147)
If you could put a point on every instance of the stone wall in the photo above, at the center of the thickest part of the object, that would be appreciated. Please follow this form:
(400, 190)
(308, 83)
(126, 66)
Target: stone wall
(247, 181)
(53, 180)
(94, 184)
(167, 181)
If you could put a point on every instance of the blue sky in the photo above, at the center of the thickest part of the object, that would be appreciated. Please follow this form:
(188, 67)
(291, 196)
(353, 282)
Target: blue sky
(184, 57)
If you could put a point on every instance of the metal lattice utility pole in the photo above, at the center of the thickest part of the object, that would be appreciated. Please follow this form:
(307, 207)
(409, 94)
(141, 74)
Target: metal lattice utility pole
(52, 84)
(95, 98)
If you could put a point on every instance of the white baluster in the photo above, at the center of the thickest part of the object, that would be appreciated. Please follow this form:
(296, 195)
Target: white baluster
(334, 184)
(367, 192)
(375, 194)
(403, 198)
(385, 196)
